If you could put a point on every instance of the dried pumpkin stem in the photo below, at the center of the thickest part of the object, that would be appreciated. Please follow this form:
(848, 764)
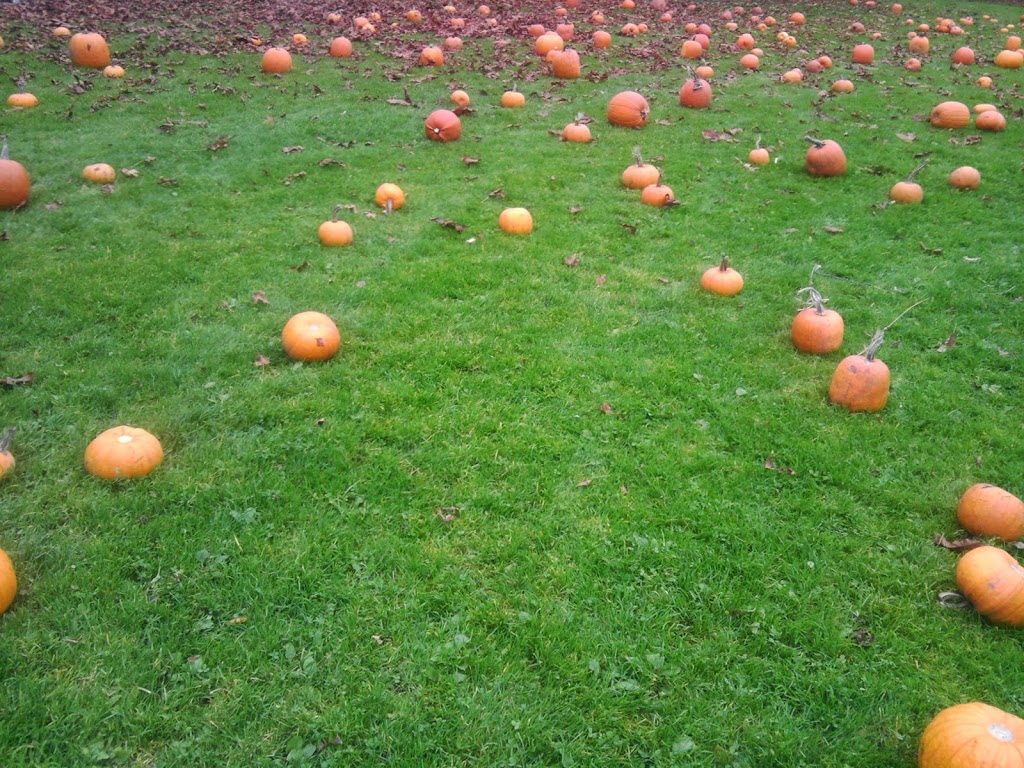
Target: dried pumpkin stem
(916, 171)
(389, 207)
(336, 211)
(816, 142)
(814, 299)
(5, 440)
(725, 264)
(901, 314)
(757, 144)
(636, 156)
(872, 349)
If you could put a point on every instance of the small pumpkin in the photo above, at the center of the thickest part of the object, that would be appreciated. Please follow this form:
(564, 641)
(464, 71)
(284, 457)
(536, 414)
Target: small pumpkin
(123, 452)
(988, 510)
(919, 44)
(577, 131)
(113, 70)
(861, 382)
(750, 61)
(963, 55)
(341, 48)
(965, 177)
(99, 173)
(908, 191)
(389, 196)
(22, 100)
(722, 279)
(513, 99)
(629, 109)
(442, 125)
(695, 93)
(984, 81)
(276, 61)
(817, 330)
(310, 337)
(6, 457)
(453, 43)
(602, 39)
(992, 579)
(972, 735)
(334, 232)
(14, 181)
(640, 174)
(516, 221)
(460, 99)
(299, 39)
(913, 65)
(414, 16)
(60, 32)
(658, 194)
(864, 54)
(8, 582)
(825, 158)
(950, 114)
(431, 56)
(89, 49)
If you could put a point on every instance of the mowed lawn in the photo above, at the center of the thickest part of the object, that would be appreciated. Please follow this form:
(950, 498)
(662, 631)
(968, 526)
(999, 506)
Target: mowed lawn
(551, 504)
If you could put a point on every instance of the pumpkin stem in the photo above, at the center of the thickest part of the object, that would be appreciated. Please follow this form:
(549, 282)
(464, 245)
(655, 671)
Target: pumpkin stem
(916, 171)
(336, 211)
(814, 299)
(872, 349)
(816, 142)
(579, 118)
(901, 314)
(636, 156)
(389, 207)
(5, 440)
(757, 144)
(724, 266)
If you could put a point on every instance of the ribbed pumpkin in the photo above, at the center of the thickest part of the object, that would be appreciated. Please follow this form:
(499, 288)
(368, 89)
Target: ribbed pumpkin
(861, 382)
(628, 108)
(341, 48)
(565, 64)
(89, 49)
(722, 279)
(950, 114)
(965, 177)
(842, 85)
(695, 93)
(334, 232)
(14, 181)
(123, 452)
(276, 61)
(825, 158)
(657, 194)
(389, 196)
(972, 735)
(988, 510)
(442, 125)
(640, 174)
(8, 582)
(990, 120)
(817, 330)
(310, 337)
(992, 579)
(577, 131)
(460, 99)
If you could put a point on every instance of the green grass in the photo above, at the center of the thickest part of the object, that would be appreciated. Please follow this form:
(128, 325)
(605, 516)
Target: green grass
(626, 588)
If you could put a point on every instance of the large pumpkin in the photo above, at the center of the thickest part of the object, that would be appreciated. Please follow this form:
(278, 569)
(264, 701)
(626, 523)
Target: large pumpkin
(992, 579)
(8, 582)
(565, 64)
(276, 61)
(988, 510)
(628, 108)
(310, 337)
(442, 125)
(14, 181)
(341, 48)
(825, 158)
(972, 735)
(89, 49)
(123, 452)
(861, 382)
(695, 93)
(950, 114)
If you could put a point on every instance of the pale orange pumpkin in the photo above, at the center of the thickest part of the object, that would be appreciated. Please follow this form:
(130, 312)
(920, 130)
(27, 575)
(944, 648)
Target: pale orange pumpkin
(992, 579)
(8, 582)
(310, 337)
(123, 452)
(113, 70)
(950, 114)
(722, 279)
(99, 173)
(965, 177)
(842, 85)
(963, 55)
(516, 221)
(863, 54)
(22, 100)
(628, 108)
(335, 232)
(640, 174)
(89, 49)
(460, 99)
(990, 120)
(341, 48)
(1007, 59)
(988, 510)
(389, 196)
(565, 64)
(972, 735)
(513, 99)
(276, 61)
(602, 39)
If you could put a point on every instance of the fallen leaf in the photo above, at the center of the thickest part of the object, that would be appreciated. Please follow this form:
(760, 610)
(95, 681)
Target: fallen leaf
(261, 360)
(450, 224)
(470, 160)
(833, 230)
(300, 267)
(291, 150)
(631, 228)
(572, 261)
(447, 514)
(497, 193)
(862, 638)
(131, 173)
(949, 343)
(606, 408)
(663, 122)
(330, 161)
(222, 142)
(260, 297)
(906, 136)
(379, 640)
(953, 600)
(711, 135)
(769, 463)
(958, 545)
(575, 209)
(601, 280)
(926, 249)
(238, 620)
(13, 381)
(583, 483)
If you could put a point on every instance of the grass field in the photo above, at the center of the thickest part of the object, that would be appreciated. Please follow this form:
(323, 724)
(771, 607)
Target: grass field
(532, 514)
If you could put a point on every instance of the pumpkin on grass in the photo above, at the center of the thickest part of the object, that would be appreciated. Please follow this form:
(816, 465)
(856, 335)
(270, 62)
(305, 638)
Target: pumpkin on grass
(658, 194)
(442, 125)
(22, 100)
(389, 196)
(759, 155)
(722, 279)
(14, 181)
(825, 158)
(276, 61)
(908, 191)
(8, 582)
(513, 99)
(123, 452)
(516, 221)
(992, 579)
(816, 329)
(89, 49)
(950, 114)
(310, 337)
(114, 70)
(99, 173)
(640, 174)
(988, 510)
(577, 131)
(341, 48)
(695, 93)
(861, 382)
(965, 177)
(972, 735)
(334, 232)
(6, 457)
(629, 109)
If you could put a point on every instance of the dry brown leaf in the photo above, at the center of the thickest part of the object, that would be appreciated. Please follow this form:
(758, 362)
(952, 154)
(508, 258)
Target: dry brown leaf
(949, 343)
(572, 261)
(601, 280)
(957, 545)
(584, 483)
(261, 360)
(260, 297)
(606, 408)
(450, 224)
(447, 514)
(291, 150)
(300, 267)
(13, 381)
(131, 173)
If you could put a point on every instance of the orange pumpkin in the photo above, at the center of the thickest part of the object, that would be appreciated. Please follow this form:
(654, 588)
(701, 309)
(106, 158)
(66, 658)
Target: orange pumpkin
(640, 174)
(60, 32)
(863, 54)
(965, 177)
(722, 279)
(89, 49)
(825, 158)
(22, 100)
(460, 99)
(990, 120)
(516, 221)
(842, 85)
(972, 735)
(657, 194)
(310, 337)
(6, 457)
(691, 50)
(99, 173)
(8, 582)
(695, 93)
(992, 579)
(513, 99)
(14, 181)
(1007, 59)
(442, 125)
(628, 108)
(565, 64)
(750, 61)
(276, 61)
(389, 196)
(817, 330)
(988, 510)
(123, 452)
(341, 48)
(453, 43)
(602, 39)
(431, 56)
(113, 70)
(963, 55)
(861, 382)
(950, 114)
(577, 131)
(549, 41)
(919, 44)
(334, 232)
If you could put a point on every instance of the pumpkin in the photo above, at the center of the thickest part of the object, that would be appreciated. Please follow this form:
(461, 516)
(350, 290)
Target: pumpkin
(453, 43)
(310, 337)
(22, 100)
(460, 99)
(300, 39)
(6, 457)
(602, 39)
(389, 196)
(988, 510)
(745, 42)
(992, 579)
(759, 155)
(658, 194)
(990, 120)
(99, 173)
(597, 17)
(431, 56)
(566, 64)
(950, 114)
(334, 232)
(341, 48)
(566, 31)
(276, 61)
(984, 81)
(442, 125)
(1007, 59)
(863, 54)
(1013, 43)
(536, 30)
(549, 41)
(705, 71)
(695, 93)
(14, 181)
(825, 158)
(640, 174)
(972, 735)
(919, 44)
(8, 582)
(89, 49)
(113, 70)
(750, 61)
(60, 32)
(513, 99)
(842, 86)
(861, 382)
(912, 65)
(414, 16)
(722, 279)
(691, 50)
(123, 452)
(963, 55)
(794, 75)
(908, 191)
(577, 131)
(817, 330)
(484, 10)
(628, 108)
(333, 18)
(516, 221)
(965, 177)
